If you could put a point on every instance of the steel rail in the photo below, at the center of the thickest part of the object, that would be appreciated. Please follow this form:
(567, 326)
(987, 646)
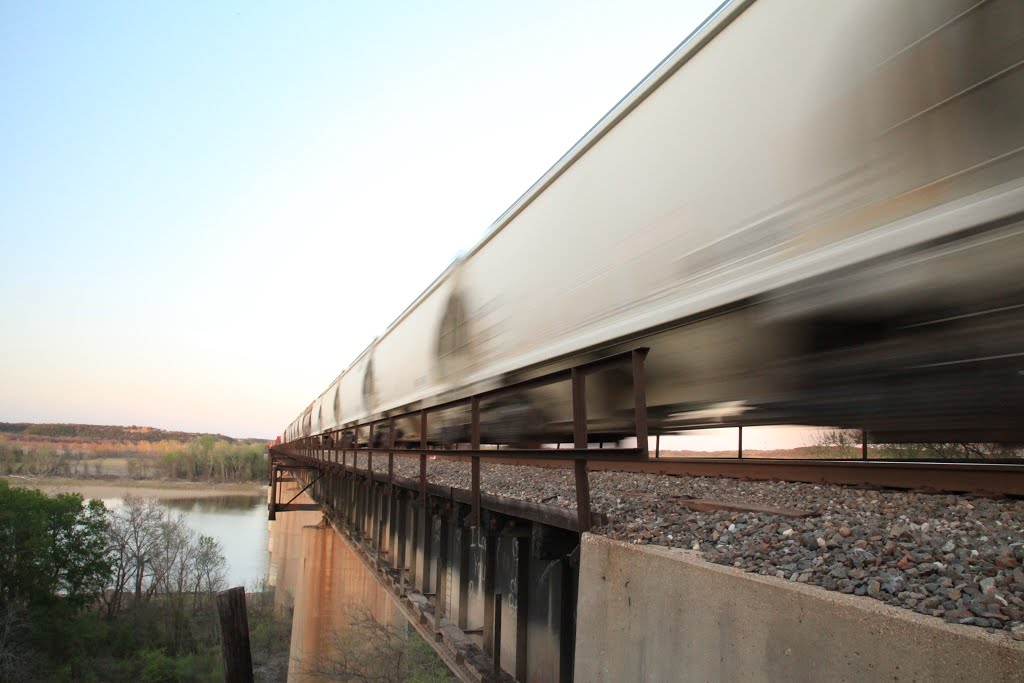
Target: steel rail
(949, 477)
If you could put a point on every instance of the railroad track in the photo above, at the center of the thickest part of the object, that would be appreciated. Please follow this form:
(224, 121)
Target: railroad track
(978, 478)
(902, 540)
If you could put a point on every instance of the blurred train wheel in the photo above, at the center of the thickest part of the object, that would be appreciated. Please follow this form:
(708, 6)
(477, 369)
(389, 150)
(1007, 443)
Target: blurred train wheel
(512, 420)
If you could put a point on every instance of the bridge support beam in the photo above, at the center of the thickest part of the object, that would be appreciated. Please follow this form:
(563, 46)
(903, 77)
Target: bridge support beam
(441, 578)
(507, 557)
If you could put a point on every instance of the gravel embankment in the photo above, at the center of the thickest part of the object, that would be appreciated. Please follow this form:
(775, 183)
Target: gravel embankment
(954, 557)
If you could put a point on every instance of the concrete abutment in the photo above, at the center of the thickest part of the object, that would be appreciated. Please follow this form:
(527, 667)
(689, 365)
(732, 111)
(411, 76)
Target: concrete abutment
(648, 613)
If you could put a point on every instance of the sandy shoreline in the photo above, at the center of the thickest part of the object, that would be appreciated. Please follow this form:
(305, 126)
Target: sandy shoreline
(99, 488)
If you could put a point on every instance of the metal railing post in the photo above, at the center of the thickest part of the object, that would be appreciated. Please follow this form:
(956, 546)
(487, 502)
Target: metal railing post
(640, 399)
(474, 436)
(579, 428)
(423, 457)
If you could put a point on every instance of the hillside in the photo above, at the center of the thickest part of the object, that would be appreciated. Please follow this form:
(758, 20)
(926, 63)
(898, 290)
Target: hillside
(109, 432)
(113, 452)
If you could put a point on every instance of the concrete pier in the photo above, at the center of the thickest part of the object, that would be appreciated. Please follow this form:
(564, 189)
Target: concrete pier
(318, 572)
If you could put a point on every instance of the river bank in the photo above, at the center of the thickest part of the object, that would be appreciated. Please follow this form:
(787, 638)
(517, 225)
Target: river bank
(149, 488)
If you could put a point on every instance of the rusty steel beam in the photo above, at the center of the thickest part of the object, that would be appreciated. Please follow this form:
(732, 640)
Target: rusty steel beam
(467, 669)
(474, 437)
(982, 479)
(441, 575)
(522, 608)
(298, 507)
(949, 477)
(272, 505)
(465, 542)
(369, 451)
(640, 399)
(391, 454)
(427, 547)
(465, 455)
(423, 457)
(579, 431)
(496, 638)
(400, 557)
(492, 600)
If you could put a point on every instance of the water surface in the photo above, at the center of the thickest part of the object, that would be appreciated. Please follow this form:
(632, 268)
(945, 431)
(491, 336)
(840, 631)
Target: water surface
(238, 522)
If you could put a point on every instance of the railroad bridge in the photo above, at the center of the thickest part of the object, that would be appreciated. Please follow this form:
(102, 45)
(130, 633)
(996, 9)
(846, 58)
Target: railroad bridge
(504, 588)
(800, 216)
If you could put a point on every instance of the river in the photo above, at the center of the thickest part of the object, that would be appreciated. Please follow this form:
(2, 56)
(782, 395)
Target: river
(234, 514)
(237, 522)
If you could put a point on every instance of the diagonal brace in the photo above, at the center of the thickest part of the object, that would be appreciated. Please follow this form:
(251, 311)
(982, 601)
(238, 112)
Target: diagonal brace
(304, 488)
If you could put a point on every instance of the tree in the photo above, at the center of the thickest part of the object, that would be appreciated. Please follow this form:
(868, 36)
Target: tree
(14, 656)
(54, 563)
(154, 552)
(841, 443)
(369, 651)
(134, 538)
(51, 548)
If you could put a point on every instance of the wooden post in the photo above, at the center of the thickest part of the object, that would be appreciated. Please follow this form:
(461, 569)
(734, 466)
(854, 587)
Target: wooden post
(864, 444)
(234, 635)
(739, 445)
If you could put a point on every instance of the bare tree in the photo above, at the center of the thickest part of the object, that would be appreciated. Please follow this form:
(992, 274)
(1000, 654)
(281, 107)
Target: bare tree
(847, 443)
(14, 658)
(843, 443)
(134, 540)
(369, 651)
(157, 553)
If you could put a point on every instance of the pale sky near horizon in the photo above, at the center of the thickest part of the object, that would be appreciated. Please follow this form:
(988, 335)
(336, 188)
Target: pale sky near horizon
(208, 209)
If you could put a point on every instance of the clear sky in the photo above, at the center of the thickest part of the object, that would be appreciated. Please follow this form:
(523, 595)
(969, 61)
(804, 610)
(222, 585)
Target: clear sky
(208, 209)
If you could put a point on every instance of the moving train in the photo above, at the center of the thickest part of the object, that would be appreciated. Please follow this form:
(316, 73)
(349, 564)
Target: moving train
(809, 212)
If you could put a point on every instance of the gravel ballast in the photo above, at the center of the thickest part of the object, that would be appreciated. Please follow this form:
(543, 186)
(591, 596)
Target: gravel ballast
(954, 557)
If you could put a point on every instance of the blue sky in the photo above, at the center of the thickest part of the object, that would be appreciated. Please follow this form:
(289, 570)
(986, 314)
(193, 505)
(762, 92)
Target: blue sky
(180, 183)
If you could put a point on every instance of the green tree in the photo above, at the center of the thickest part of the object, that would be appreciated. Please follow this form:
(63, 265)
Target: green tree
(51, 548)
(54, 563)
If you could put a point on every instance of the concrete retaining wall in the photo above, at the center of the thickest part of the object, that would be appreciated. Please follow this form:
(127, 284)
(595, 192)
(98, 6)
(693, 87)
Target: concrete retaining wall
(658, 614)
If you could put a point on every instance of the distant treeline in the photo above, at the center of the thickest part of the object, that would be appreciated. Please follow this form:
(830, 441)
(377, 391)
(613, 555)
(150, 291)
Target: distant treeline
(209, 459)
(113, 452)
(108, 432)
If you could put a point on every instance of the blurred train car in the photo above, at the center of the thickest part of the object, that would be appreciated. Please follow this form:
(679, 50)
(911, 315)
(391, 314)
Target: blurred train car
(809, 211)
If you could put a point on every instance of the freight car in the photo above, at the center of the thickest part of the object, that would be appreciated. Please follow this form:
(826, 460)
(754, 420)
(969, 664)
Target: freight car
(808, 212)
